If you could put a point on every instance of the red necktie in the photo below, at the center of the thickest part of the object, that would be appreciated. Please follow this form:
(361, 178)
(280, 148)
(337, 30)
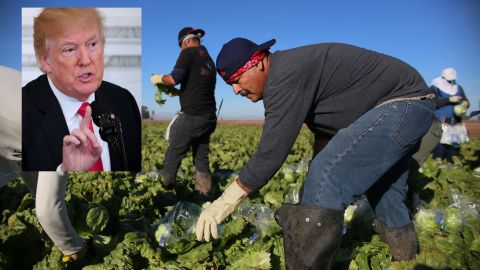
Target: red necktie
(97, 166)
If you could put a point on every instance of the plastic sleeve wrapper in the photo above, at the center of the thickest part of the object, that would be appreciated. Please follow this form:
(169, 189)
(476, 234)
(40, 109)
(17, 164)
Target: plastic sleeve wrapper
(261, 217)
(454, 135)
(176, 230)
(461, 214)
(358, 215)
(292, 174)
(147, 176)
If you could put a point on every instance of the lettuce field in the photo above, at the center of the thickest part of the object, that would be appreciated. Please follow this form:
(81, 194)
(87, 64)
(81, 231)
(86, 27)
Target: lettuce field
(131, 222)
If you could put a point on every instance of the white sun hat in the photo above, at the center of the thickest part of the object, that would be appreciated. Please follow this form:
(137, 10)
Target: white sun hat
(450, 74)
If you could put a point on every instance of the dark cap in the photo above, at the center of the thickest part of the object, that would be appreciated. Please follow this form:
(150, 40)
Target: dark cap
(236, 53)
(188, 30)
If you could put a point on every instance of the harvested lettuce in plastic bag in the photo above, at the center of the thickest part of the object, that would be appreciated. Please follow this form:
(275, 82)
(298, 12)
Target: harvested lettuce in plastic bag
(259, 216)
(253, 260)
(426, 220)
(175, 232)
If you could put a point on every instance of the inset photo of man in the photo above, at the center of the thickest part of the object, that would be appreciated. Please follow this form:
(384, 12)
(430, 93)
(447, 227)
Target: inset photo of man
(81, 73)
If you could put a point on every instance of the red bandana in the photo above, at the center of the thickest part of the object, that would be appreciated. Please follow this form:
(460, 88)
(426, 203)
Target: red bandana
(256, 57)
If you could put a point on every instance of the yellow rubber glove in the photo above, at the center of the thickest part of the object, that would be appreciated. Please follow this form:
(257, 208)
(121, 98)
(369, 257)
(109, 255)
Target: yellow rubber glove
(156, 79)
(218, 211)
(455, 99)
(76, 256)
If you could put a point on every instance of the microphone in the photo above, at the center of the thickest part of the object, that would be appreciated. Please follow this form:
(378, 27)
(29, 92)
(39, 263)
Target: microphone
(110, 128)
(105, 120)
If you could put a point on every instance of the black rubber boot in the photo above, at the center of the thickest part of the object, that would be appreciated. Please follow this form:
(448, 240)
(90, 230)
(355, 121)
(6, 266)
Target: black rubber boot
(403, 241)
(311, 235)
(203, 182)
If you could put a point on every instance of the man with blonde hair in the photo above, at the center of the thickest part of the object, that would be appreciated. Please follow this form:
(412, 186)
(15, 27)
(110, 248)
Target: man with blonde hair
(57, 130)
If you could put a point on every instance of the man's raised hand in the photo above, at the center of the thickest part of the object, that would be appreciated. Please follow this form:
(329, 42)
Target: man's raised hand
(81, 148)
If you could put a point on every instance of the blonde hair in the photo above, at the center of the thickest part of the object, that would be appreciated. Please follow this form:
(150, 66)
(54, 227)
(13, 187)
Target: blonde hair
(55, 21)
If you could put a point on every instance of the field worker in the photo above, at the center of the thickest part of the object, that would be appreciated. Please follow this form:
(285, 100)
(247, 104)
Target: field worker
(374, 107)
(449, 94)
(195, 71)
(10, 124)
(58, 131)
(51, 212)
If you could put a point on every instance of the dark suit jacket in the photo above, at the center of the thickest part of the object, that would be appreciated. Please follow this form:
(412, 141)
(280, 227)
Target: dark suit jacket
(44, 126)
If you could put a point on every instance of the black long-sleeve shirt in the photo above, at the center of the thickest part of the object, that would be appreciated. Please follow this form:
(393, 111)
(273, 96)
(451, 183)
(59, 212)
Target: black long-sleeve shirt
(327, 86)
(197, 91)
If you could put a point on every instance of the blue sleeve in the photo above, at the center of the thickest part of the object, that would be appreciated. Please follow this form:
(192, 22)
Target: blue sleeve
(440, 102)
(178, 75)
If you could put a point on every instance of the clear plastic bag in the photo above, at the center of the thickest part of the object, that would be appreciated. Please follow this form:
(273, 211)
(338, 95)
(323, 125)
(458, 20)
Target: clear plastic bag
(293, 194)
(175, 231)
(147, 176)
(428, 220)
(259, 216)
(450, 219)
(358, 214)
(454, 135)
(292, 172)
(468, 209)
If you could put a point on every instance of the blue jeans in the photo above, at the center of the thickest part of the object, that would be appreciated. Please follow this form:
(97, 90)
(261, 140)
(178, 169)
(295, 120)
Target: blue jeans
(371, 156)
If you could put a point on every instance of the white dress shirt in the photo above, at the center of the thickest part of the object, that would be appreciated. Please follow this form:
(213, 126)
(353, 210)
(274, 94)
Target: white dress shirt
(70, 107)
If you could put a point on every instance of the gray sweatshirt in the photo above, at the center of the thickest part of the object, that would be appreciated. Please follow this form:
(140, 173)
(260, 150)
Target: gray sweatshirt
(326, 86)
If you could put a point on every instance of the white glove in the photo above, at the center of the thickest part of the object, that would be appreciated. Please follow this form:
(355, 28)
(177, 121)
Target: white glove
(156, 79)
(218, 211)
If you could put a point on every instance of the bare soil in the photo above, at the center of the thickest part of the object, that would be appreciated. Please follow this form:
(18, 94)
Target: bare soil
(473, 128)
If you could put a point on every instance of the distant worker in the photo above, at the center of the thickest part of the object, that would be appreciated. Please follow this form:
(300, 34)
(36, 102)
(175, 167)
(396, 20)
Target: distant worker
(452, 104)
(10, 124)
(374, 107)
(195, 71)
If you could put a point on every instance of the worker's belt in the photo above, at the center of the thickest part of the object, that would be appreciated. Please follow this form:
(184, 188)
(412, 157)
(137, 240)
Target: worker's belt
(424, 97)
